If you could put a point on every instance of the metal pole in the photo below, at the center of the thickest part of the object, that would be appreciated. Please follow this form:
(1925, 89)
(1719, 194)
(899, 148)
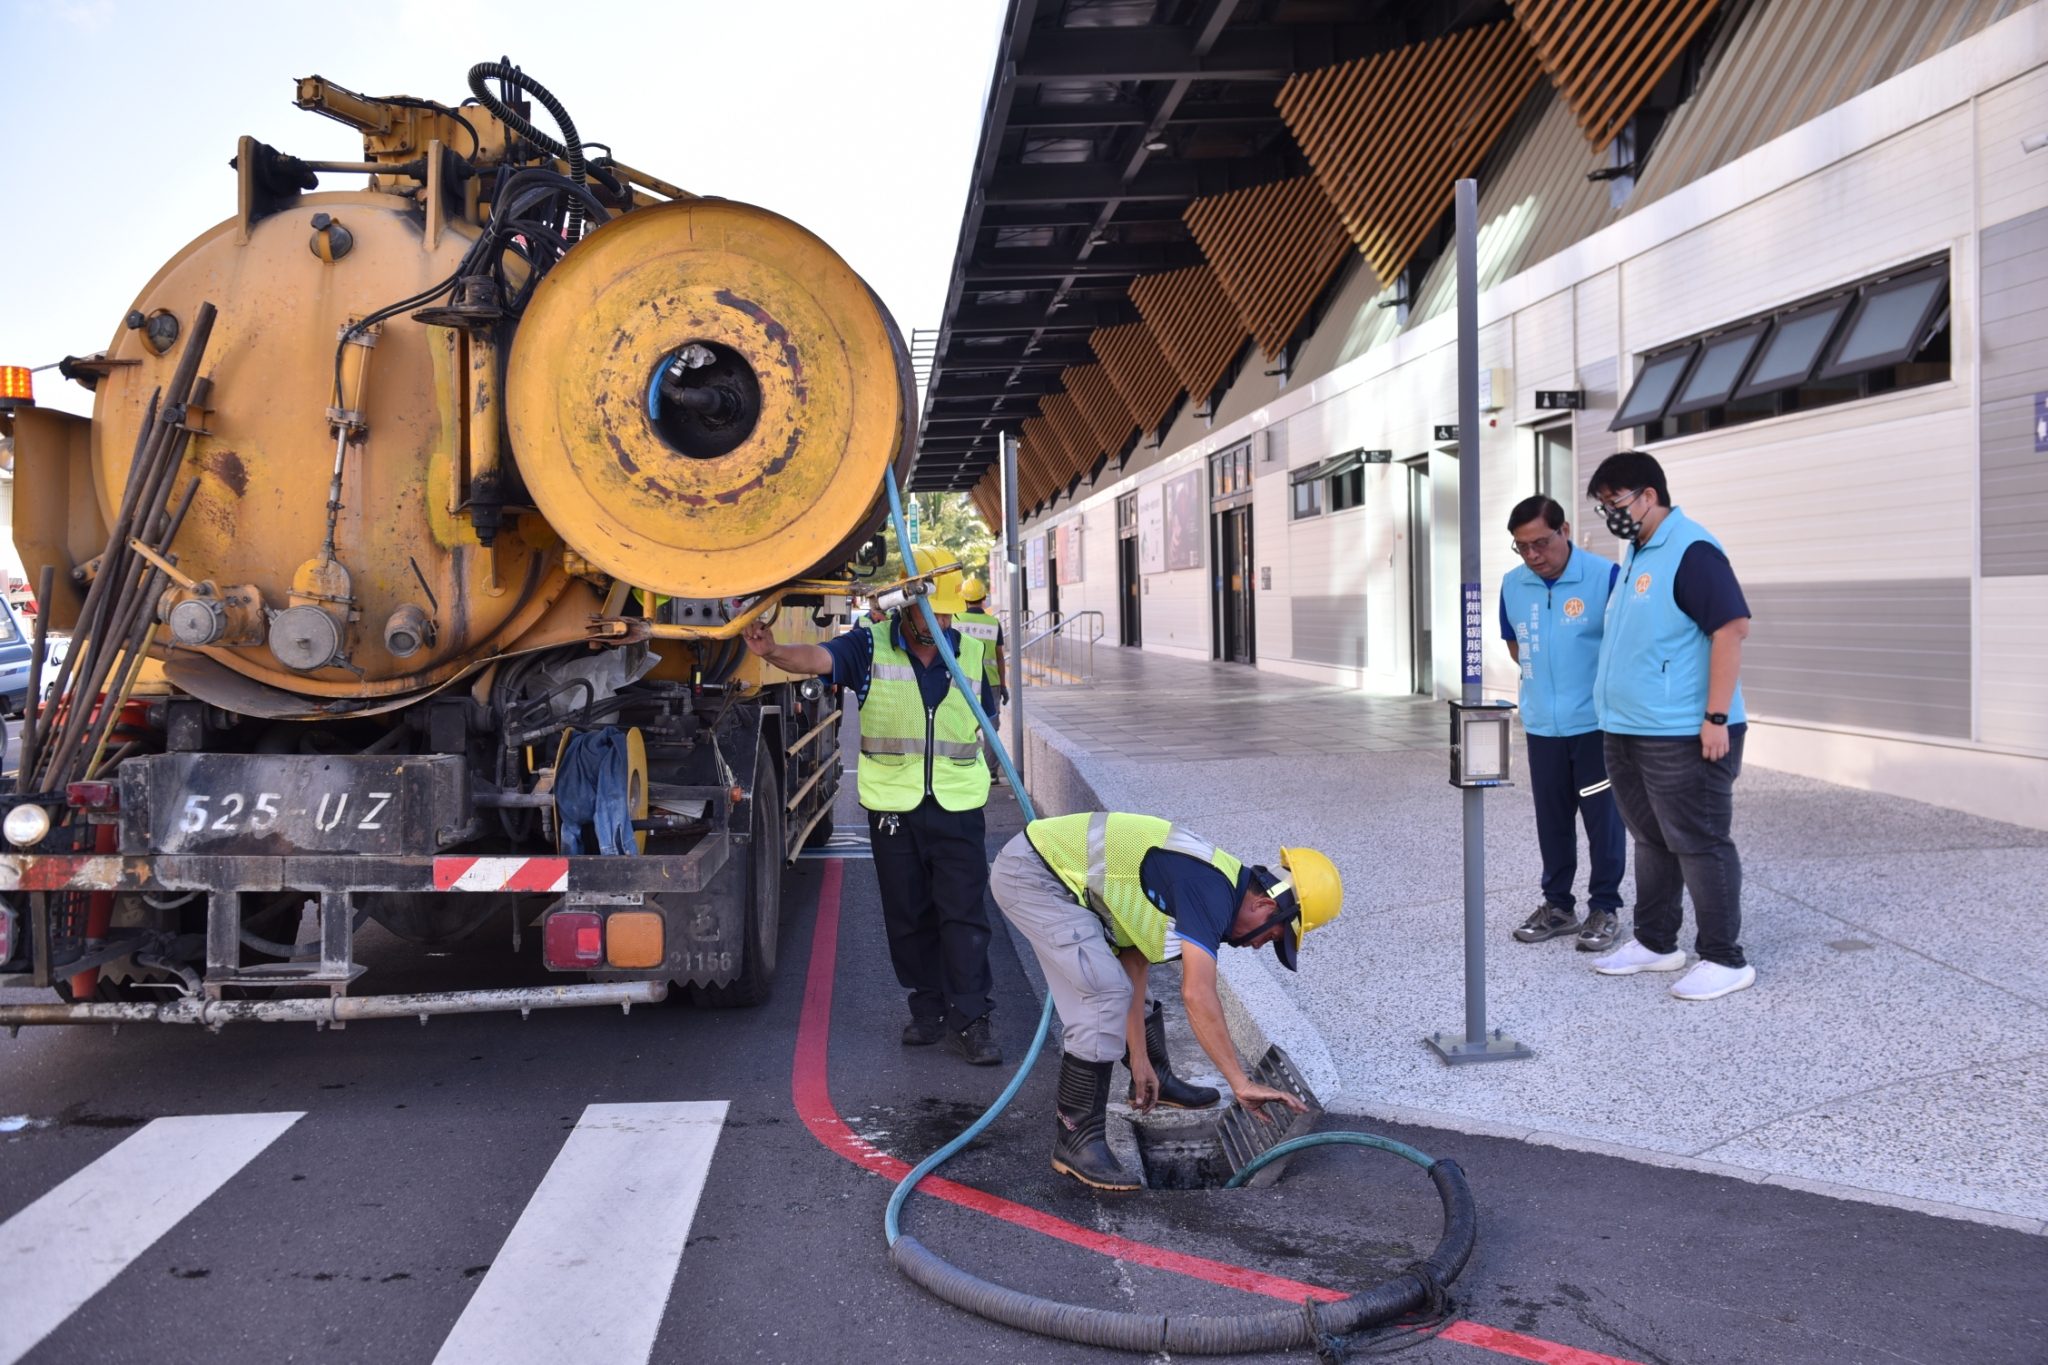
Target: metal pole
(1014, 549)
(1476, 1045)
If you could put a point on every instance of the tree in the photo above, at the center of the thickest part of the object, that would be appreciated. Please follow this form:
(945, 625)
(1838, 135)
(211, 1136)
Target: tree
(946, 522)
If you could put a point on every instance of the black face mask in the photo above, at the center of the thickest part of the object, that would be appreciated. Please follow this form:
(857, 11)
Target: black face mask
(1620, 523)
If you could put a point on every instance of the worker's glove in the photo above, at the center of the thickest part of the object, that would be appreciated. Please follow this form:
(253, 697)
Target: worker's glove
(1003, 695)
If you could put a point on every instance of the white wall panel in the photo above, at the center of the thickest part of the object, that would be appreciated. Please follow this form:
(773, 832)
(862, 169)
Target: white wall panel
(1543, 351)
(2011, 181)
(1882, 486)
(2012, 677)
(1596, 310)
(1894, 201)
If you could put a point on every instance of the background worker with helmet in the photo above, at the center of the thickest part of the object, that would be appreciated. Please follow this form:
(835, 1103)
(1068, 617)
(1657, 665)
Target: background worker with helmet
(1100, 897)
(984, 626)
(924, 783)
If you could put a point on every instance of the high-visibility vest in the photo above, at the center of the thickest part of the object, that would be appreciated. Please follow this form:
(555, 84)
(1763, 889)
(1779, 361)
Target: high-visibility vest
(1097, 857)
(986, 629)
(908, 749)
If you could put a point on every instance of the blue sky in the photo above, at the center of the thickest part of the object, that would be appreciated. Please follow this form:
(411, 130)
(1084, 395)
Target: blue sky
(857, 118)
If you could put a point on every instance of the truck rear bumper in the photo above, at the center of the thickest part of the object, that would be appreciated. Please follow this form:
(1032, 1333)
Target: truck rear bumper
(336, 1011)
(451, 873)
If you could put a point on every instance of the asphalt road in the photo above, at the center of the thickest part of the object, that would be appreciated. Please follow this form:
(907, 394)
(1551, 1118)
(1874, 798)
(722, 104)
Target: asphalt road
(473, 1165)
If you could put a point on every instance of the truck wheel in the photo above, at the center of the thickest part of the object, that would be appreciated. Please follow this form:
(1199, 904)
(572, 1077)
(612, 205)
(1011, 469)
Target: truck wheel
(821, 833)
(763, 894)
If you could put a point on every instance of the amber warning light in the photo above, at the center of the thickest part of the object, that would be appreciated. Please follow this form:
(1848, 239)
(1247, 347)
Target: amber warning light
(17, 387)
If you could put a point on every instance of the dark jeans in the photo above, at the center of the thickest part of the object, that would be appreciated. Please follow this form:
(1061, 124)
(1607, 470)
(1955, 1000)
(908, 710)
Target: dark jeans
(934, 874)
(1561, 768)
(1679, 806)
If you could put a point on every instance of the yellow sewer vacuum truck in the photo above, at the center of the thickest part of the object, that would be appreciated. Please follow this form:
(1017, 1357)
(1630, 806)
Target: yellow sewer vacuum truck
(405, 557)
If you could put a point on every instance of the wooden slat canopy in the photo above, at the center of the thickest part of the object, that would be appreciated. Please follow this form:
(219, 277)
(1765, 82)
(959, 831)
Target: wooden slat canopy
(1083, 445)
(987, 497)
(1099, 402)
(1137, 369)
(1194, 323)
(1606, 56)
(1388, 136)
(1273, 248)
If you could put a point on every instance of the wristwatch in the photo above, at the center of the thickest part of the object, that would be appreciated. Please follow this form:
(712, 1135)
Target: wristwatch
(1717, 717)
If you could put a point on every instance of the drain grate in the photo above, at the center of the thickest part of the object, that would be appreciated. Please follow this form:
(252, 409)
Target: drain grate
(1245, 1137)
(1203, 1149)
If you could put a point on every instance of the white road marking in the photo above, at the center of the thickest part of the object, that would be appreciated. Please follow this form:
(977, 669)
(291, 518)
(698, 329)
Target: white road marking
(585, 1274)
(70, 1244)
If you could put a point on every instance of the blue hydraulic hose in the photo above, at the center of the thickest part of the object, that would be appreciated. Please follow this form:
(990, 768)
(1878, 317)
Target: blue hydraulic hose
(892, 1219)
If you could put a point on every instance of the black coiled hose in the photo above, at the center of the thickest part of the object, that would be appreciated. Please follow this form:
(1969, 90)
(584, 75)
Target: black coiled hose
(570, 148)
(1418, 1288)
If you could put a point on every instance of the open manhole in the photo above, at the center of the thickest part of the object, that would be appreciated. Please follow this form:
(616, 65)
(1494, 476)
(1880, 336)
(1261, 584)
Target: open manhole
(1203, 1149)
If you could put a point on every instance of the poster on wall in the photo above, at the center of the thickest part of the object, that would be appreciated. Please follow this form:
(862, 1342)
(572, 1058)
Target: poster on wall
(1184, 521)
(1067, 554)
(1151, 529)
(1034, 560)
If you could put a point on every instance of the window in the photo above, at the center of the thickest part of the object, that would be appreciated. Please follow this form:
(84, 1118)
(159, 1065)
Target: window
(1308, 499)
(1795, 345)
(1889, 320)
(1887, 332)
(1655, 382)
(1335, 485)
(1127, 517)
(1721, 363)
(1230, 471)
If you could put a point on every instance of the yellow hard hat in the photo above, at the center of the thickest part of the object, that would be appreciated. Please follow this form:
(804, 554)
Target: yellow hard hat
(1318, 891)
(945, 596)
(973, 589)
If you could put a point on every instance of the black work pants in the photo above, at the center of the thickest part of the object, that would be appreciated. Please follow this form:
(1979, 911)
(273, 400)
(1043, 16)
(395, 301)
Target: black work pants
(1679, 807)
(1568, 778)
(932, 864)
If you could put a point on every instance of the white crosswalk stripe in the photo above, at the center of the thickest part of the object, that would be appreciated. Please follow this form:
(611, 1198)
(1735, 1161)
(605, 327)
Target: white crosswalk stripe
(70, 1244)
(586, 1273)
(845, 844)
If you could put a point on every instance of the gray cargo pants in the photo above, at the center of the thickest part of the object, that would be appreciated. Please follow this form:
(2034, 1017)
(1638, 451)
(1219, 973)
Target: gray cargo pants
(1089, 987)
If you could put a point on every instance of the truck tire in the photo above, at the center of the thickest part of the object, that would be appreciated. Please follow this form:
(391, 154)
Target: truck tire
(821, 833)
(763, 895)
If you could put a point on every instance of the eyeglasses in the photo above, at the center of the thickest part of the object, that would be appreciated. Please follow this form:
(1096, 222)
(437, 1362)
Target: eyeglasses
(1621, 500)
(1540, 546)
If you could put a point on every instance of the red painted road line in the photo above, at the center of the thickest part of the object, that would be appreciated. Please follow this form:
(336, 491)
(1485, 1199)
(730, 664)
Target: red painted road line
(1469, 1333)
(810, 1090)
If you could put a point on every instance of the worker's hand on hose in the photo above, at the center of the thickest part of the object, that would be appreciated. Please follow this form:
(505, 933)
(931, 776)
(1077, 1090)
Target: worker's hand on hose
(1144, 1083)
(760, 639)
(1253, 1098)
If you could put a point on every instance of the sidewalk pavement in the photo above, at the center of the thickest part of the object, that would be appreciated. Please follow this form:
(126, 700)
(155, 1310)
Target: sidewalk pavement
(1894, 1048)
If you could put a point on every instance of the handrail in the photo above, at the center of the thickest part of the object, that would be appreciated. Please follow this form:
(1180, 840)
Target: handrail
(1060, 627)
(1054, 612)
(1072, 651)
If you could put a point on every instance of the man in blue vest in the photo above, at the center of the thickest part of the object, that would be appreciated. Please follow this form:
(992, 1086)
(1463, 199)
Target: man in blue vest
(925, 785)
(1668, 696)
(1552, 609)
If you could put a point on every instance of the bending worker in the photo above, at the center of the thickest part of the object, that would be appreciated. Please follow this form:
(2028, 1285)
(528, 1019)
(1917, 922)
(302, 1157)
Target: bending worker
(1101, 897)
(924, 783)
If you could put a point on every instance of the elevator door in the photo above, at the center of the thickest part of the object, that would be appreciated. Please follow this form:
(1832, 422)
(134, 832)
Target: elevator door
(1130, 630)
(1421, 638)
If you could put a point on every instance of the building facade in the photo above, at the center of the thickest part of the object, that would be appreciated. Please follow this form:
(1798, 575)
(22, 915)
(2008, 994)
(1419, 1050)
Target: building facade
(1822, 304)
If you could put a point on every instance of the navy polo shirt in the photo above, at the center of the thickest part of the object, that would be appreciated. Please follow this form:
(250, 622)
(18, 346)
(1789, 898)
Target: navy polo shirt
(853, 663)
(1201, 900)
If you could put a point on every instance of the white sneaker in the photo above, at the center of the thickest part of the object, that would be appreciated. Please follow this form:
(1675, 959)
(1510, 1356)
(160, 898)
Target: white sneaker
(1710, 981)
(1632, 957)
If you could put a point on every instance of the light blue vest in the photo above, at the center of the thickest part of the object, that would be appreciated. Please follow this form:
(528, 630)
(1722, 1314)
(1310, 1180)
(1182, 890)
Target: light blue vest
(1653, 663)
(1558, 628)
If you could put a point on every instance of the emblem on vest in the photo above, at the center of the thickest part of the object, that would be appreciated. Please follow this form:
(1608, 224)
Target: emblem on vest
(1574, 608)
(1642, 585)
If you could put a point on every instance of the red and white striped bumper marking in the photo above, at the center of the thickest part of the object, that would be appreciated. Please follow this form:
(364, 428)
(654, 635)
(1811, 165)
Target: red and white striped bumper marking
(501, 874)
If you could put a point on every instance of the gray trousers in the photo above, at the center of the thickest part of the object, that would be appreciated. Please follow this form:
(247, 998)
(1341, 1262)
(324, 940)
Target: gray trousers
(1680, 808)
(1089, 987)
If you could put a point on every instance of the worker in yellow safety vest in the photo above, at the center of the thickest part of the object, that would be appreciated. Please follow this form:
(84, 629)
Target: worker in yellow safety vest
(924, 783)
(1102, 896)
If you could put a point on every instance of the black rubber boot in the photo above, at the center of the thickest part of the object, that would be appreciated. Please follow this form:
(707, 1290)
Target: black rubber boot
(1174, 1092)
(1080, 1148)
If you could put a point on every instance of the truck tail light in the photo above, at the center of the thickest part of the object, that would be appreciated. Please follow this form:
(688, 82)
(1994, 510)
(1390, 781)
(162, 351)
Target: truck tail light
(633, 938)
(573, 940)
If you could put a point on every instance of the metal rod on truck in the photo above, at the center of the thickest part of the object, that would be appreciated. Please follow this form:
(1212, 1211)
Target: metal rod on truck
(340, 1009)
